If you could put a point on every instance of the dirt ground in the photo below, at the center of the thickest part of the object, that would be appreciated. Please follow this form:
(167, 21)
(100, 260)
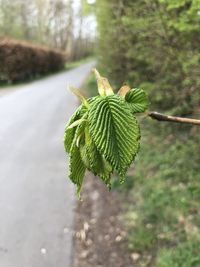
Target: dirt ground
(99, 239)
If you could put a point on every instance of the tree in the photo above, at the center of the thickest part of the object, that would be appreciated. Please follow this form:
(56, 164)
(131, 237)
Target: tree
(153, 44)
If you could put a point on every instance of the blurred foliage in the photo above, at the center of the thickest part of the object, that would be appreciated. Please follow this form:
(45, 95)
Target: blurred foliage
(153, 44)
(162, 194)
(90, 87)
(22, 61)
(57, 24)
(184, 255)
(87, 9)
(77, 63)
(162, 213)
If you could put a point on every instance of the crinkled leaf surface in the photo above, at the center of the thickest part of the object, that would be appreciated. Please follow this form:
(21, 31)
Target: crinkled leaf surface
(70, 132)
(93, 159)
(77, 167)
(103, 134)
(115, 131)
(137, 100)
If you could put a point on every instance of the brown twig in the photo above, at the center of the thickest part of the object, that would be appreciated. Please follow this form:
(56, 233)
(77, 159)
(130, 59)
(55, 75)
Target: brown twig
(161, 117)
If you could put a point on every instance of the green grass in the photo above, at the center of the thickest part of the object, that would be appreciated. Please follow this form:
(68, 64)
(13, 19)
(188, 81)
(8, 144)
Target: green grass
(183, 255)
(165, 197)
(162, 195)
(77, 63)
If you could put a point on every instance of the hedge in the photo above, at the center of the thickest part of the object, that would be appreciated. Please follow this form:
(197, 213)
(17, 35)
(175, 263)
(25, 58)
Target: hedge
(20, 60)
(153, 45)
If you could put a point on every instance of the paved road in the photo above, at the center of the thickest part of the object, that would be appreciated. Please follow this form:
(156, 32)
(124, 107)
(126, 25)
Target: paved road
(36, 199)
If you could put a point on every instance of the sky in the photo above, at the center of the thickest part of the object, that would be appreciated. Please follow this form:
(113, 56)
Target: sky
(91, 1)
(89, 22)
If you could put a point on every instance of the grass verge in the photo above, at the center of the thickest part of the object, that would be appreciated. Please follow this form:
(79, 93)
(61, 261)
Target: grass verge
(162, 195)
(77, 63)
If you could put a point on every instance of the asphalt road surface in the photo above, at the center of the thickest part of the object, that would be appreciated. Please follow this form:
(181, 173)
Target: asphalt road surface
(36, 197)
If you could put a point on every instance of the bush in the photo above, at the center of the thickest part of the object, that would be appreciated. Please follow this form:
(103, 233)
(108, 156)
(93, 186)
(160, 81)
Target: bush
(153, 45)
(164, 200)
(21, 61)
(162, 195)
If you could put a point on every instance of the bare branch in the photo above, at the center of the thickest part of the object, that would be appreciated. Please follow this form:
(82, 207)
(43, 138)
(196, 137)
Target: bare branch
(161, 117)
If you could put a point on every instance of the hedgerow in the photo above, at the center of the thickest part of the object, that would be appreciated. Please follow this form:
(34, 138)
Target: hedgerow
(21, 60)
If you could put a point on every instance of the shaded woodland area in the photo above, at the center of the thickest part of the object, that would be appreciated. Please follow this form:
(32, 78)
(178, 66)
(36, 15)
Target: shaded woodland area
(41, 37)
(57, 24)
(154, 45)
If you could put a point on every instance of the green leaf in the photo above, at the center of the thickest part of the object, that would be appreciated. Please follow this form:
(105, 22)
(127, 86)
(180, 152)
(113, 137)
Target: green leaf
(103, 136)
(70, 131)
(77, 167)
(95, 162)
(114, 131)
(76, 123)
(92, 158)
(137, 100)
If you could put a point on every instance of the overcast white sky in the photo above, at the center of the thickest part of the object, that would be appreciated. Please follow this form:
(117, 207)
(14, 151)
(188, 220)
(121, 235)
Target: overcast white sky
(89, 23)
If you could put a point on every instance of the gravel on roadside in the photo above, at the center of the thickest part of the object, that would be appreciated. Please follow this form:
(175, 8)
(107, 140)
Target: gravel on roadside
(99, 238)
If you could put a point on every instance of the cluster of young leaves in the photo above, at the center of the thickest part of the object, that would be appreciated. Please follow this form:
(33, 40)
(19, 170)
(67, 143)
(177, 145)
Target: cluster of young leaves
(103, 135)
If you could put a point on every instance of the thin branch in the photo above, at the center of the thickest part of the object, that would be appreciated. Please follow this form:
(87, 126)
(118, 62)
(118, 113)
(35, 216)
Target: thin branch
(161, 117)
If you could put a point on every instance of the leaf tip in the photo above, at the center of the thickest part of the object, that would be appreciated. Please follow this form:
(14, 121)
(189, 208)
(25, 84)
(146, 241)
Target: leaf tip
(78, 192)
(103, 84)
(79, 95)
(123, 90)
